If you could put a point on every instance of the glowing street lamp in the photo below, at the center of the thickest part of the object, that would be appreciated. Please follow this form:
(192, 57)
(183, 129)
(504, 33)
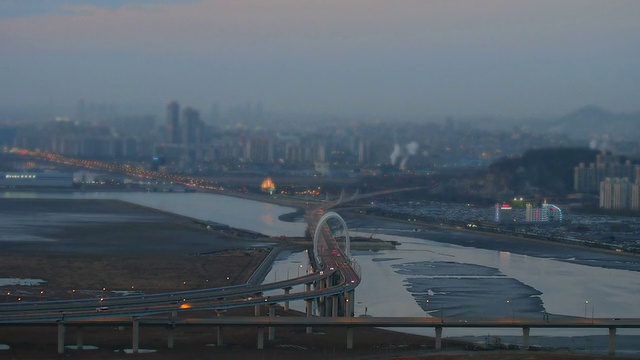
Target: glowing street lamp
(8, 293)
(586, 302)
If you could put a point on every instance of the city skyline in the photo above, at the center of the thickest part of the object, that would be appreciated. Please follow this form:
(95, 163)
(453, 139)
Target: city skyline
(370, 58)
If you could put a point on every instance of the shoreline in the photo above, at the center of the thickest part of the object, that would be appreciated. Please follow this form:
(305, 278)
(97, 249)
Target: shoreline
(515, 237)
(300, 208)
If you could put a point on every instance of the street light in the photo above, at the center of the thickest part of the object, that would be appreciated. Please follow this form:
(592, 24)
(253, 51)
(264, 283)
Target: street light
(8, 293)
(41, 292)
(73, 292)
(426, 312)
(586, 302)
(300, 267)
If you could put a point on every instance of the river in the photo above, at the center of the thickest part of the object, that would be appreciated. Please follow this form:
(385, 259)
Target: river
(461, 281)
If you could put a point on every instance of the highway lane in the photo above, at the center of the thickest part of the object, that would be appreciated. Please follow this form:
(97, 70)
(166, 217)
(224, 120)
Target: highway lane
(148, 305)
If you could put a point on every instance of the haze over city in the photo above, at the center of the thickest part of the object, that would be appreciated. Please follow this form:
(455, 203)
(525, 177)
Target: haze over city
(289, 178)
(369, 58)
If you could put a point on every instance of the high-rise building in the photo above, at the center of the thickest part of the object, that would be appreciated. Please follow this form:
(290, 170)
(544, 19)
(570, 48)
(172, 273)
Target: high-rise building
(587, 179)
(191, 127)
(192, 131)
(615, 194)
(635, 195)
(173, 123)
(259, 149)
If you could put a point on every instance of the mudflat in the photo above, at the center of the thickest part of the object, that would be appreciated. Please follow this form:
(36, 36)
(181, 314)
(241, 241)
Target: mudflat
(80, 247)
(94, 248)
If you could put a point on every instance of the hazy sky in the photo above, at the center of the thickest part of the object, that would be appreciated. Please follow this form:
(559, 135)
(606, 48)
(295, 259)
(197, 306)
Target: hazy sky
(373, 57)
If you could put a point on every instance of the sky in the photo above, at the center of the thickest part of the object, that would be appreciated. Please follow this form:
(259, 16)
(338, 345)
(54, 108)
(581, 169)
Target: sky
(372, 58)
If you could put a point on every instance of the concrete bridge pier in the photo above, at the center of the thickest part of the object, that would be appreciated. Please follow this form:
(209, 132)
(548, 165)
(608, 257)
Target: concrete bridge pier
(286, 303)
(135, 336)
(79, 337)
(334, 306)
(309, 303)
(322, 300)
(341, 301)
(170, 329)
(61, 330)
(349, 303)
(260, 337)
(272, 330)
(349, 338)
(257, 306)
(329, 305)
(322, 306)
(219, 339)
(438, 337)
(612, 341)
(525, 338)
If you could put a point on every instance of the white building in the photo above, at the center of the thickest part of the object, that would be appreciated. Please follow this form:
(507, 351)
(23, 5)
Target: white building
(546, 213)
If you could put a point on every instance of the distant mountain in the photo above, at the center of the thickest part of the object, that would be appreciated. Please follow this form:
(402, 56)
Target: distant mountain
(595, 123)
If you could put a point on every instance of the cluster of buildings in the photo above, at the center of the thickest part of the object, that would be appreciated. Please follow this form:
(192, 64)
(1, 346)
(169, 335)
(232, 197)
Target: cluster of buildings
(188, 142)
(504, 213)
(620, 194)
(71, 138)
(184, 140)
(616, 181)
